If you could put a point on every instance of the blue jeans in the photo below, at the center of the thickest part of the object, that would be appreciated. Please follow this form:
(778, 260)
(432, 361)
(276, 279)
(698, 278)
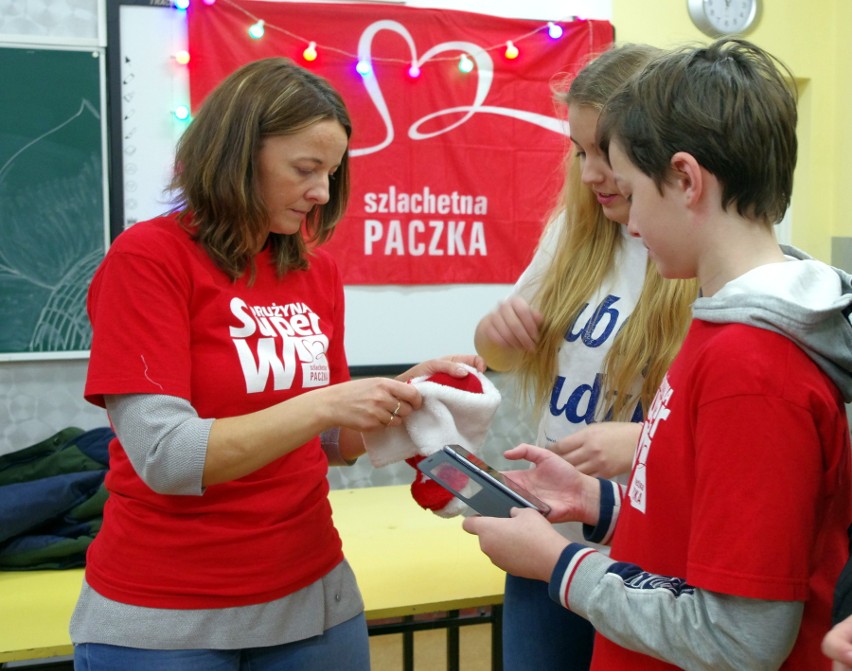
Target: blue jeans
(540, 634)
(345, 647)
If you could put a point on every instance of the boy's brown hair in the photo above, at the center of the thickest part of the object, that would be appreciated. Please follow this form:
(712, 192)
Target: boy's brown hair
(731, 105)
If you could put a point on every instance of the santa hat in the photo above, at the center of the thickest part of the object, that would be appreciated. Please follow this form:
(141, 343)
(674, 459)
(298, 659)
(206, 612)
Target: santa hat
(455, 410)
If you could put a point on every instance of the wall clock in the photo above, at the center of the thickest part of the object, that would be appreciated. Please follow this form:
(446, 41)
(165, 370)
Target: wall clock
(723, 17)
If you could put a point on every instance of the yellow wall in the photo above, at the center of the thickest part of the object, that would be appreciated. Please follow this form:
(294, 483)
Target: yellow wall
(817, 48)
(842, 89)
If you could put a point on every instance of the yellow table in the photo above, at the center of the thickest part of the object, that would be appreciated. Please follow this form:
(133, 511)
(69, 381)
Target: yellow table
(407, 560)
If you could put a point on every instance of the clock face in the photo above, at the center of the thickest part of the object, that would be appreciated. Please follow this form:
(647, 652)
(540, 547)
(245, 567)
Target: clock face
(723, 17)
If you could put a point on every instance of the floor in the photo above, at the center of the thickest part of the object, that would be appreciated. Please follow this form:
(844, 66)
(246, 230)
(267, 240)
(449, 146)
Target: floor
(430, 650)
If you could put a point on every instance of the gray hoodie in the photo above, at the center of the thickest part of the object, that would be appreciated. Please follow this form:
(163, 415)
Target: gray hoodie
(805, 300)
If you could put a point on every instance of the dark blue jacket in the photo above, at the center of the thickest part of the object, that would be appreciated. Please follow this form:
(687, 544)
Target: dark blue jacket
(51, 499)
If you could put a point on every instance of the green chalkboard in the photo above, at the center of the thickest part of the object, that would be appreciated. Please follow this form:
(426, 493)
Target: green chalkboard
(52, 197)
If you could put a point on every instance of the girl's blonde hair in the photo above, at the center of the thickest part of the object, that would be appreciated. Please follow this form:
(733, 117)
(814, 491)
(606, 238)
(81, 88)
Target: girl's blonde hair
(645, 346)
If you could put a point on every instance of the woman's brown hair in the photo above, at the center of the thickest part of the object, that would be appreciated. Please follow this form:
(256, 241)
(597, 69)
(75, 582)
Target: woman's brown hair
(215, 175)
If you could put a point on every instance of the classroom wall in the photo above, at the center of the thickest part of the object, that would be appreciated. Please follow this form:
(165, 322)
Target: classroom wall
(842, 117)
(815, 45)
(38, 398)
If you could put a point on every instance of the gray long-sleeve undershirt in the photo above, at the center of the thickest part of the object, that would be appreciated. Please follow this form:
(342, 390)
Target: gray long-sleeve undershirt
(664, 616)
(166, 441)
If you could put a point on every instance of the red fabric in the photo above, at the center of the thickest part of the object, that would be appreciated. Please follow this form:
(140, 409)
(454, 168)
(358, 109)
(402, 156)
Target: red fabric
(166, 321)
(469, 383)
(465, 205)
(741, 482)
(428, 493)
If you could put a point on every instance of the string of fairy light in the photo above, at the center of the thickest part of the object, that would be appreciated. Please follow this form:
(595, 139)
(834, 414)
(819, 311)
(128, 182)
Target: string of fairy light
(257, 28)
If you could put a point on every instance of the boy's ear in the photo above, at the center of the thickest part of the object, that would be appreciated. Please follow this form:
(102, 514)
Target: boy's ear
(687, 176)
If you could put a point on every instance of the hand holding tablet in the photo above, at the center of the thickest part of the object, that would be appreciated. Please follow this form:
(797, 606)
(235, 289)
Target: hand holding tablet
(486, 490)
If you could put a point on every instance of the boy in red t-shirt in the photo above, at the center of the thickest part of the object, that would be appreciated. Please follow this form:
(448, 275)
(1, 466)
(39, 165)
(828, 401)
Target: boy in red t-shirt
(731, 533)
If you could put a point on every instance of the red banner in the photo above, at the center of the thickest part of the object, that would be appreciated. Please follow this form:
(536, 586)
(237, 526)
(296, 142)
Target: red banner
(453, 172)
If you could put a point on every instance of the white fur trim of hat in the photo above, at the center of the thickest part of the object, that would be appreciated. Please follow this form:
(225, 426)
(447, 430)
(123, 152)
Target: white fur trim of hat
(448, 416)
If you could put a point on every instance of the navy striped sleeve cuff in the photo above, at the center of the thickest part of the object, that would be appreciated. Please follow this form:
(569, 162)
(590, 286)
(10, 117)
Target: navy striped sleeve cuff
(610, 506)
(560, 580)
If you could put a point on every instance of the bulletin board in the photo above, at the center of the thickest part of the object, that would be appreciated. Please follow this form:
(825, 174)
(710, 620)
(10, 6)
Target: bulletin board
(53, 198)
(388, 326)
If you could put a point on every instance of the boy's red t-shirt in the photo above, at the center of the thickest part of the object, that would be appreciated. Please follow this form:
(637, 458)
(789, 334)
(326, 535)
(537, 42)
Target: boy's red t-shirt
(741, 482)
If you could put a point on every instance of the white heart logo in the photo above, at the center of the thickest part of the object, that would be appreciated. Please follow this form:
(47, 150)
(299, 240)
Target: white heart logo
(485, 75)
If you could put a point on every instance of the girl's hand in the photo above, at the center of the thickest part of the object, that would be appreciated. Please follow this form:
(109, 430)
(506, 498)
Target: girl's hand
(571, 495)
(512, 325)
(447, 364)
(604, 449)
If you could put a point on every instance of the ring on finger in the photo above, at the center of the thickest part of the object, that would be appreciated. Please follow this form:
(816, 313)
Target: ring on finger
(395, 412)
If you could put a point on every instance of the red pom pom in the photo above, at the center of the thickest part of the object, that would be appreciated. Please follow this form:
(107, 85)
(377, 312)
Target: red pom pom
(428, 493)
(469, 382)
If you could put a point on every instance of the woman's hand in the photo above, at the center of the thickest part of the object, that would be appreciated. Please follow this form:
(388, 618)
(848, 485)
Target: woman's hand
(603, 450)
(379, 402)
(373, 405)
(369, 404)
(240, 445)
(525, 545)
(571, 495)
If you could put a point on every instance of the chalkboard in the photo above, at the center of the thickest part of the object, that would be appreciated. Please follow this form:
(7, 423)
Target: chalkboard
(53, 198)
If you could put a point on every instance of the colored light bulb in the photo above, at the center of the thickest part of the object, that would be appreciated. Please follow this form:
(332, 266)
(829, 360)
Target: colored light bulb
(256, 30)
(364, 68)
(310, 52)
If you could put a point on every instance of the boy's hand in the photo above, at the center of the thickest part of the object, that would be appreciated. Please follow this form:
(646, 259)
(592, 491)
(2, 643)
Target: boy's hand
(525, 545)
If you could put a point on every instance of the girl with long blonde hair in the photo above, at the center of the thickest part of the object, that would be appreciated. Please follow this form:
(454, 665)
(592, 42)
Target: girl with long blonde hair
(589, 330)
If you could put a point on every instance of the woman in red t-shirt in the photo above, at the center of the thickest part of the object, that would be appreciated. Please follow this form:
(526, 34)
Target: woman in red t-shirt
(218, 353)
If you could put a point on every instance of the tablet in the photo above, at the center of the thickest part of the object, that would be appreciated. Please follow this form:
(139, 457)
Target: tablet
(483, 488)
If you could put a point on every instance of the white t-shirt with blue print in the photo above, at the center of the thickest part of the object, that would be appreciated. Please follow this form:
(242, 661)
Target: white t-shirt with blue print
(579, 375)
